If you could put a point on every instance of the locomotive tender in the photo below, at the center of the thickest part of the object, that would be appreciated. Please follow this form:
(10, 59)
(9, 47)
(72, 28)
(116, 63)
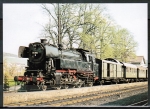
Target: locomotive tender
(49, 65)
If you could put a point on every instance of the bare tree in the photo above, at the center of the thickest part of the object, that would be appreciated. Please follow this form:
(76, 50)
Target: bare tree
(85, 26)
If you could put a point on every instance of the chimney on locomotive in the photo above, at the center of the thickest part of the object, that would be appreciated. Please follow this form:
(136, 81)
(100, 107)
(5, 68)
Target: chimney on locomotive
(43, 41)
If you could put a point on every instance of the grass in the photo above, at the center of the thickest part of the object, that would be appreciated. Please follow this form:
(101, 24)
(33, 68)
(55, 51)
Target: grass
(11, 82)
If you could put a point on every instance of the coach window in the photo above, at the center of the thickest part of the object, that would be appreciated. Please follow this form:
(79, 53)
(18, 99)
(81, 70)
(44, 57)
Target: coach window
(87, 57)
(130, 70)
(90, 59)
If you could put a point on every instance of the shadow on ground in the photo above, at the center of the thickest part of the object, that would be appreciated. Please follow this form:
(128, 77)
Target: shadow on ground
(127, 101)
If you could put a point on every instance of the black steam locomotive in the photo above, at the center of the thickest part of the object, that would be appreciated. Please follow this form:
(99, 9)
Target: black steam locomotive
(52, 66)
(49, 65)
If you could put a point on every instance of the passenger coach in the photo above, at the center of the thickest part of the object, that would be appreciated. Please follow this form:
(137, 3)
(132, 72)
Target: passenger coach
(142, 73)
(130, 72)
(111, 71)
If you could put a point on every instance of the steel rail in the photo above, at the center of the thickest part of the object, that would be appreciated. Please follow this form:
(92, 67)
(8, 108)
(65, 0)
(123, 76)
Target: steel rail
(140, 103)
(72, 99)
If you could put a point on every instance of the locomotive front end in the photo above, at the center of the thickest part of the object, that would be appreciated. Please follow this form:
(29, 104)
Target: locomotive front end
(36, 52)
(35, 70)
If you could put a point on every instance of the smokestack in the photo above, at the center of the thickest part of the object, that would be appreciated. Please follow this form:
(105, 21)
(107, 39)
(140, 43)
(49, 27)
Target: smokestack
(43, 41)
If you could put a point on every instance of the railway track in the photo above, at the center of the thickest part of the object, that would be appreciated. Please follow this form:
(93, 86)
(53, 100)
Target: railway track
(140, 103)
(73, 99)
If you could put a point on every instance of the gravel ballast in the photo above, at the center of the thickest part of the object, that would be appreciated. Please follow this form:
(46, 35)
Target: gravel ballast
(123, 99)
(21, 97)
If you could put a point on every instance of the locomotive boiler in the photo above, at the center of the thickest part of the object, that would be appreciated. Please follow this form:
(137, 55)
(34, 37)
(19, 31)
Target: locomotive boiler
(49, 65)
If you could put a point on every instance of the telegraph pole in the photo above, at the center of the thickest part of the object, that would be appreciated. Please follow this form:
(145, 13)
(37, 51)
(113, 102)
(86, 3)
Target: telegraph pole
(59, 41)
(59, 30)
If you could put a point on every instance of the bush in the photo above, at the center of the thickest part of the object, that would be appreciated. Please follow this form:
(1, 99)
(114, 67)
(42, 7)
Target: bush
(11, 82)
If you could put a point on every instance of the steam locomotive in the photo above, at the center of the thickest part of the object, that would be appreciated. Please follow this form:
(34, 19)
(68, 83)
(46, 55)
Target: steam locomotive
(52, 66)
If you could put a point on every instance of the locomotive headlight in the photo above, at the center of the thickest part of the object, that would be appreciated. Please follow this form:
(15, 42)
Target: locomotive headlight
(34, 53)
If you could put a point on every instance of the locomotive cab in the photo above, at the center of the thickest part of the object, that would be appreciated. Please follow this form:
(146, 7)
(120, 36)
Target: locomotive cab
(90, 58)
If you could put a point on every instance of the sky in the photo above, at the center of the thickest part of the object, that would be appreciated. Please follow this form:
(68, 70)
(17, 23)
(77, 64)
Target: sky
(22, 24)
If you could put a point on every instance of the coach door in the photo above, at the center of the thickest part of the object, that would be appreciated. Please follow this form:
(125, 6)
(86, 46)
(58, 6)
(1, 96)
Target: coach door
(104, 69)
(124, 71)
(146, 74)
(108, 70)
